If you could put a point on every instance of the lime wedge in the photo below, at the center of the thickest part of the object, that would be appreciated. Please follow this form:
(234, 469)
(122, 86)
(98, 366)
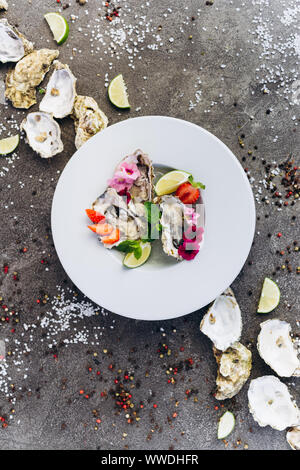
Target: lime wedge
(130, 260)
(269, 297)
(226, 425)
(59, 27)
(9, 144)
(117, 92)
(169, 182)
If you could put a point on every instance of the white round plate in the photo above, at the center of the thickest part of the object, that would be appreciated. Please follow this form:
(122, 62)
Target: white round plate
(163, 288)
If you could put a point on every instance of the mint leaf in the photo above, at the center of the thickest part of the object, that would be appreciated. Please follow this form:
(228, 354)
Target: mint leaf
(128, 246)
(138, 252)
(196, 184)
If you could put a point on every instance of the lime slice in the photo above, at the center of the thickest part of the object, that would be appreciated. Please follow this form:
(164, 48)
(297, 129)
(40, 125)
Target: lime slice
(130, 260)
(226, 425)
(9, 144)
(59, 27)
(169, 182)
(117, 92)
(269, 297)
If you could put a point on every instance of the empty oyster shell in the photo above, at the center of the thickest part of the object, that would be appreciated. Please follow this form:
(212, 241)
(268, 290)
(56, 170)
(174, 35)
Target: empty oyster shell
(223, 321)
(234, 369)
(293, 438)
(276, 348)
(271, 403)
(61, 92)
(43, 134)
(129, 219)
(22, 81)
(3, 5)
(88, 118)
(13, 45)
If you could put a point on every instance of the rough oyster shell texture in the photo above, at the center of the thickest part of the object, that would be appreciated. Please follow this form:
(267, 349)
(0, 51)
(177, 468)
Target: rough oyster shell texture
(223, 321)
(271, 404)
(43, 134)
(142, 189)
(88, 119)
(21, 82)
(277, 349)
(3, 5)
(293, 437)
(129, 219)
(13, 45)
(172, 222)
(234, 367)
(60, 93)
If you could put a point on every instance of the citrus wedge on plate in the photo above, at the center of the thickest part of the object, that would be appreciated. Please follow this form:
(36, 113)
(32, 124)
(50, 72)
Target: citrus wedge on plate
(59, 27)
(117, 92)
(130, 261)
(9, 144)
(270, 296)
(226, 425)
(169, 182)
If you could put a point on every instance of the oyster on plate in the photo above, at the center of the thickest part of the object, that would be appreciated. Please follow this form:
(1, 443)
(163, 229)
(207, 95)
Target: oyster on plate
(234, 367)
(271, 404)
(3, 5)
(60, 93)
(129, 218)
(13, 45)
(88, 119)
(43, 134)
(293, 437)
(277, 349)
(223, 321)
(172, 222)
(21, 82)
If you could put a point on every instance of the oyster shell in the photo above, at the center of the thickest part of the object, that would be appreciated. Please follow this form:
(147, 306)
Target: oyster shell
(43, 134)
(234, 367)
(129, 219)
(13, 45)
(60, 93)
(3, 5)
(293, 438)
(142, 189)
(276, 348)
(22, 81)
(271, 403)
(172, 222)
(223, 321)
(88, 119)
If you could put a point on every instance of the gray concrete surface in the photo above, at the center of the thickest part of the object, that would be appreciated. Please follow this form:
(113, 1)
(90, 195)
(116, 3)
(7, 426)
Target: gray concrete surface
(237, 49)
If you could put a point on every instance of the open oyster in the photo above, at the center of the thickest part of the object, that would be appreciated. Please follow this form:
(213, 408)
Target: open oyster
(61, 92)
(88, 118)
(142, 188)
(223, 321)
(271, 403)
(3, 5)
(129, 218)
(13, 45)
(43, 134)
(234, 369)
(172, 222)
(293, 437)
(276, 348)
(22, 81)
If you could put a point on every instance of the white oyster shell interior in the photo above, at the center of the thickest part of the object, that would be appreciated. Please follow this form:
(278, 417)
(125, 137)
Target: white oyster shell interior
(43, 134)
(277, 349)
(271, 403)
(293, 438)
(223, 321)
(60, 93)
(11, 45)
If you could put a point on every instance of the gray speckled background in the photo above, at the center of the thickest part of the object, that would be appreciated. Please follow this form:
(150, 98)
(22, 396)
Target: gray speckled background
(40, 395)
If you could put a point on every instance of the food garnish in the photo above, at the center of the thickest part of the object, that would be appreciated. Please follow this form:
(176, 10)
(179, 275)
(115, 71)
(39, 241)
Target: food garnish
(59, 27)
(117, 92)
(9, 144)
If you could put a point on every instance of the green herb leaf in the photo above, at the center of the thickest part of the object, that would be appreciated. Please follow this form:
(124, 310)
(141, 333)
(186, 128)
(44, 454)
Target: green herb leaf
(196, 184)
(42, 91)
(128, 246)
(138, 252)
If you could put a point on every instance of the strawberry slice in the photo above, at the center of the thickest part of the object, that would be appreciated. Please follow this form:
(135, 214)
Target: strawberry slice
(94, 216)
(187, 193)
(114, 237)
